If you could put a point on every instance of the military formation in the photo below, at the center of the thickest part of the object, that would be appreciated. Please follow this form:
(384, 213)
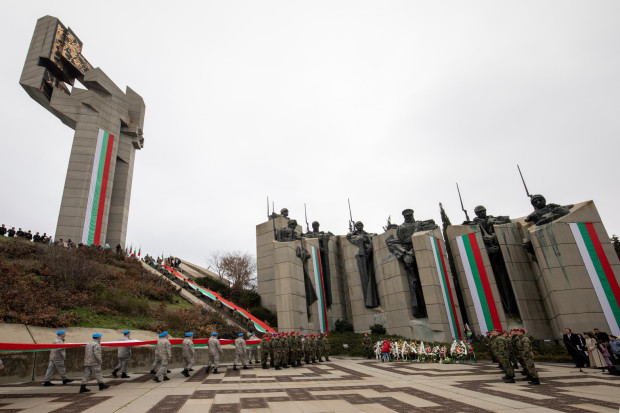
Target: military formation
(281, 350)
(511, 349)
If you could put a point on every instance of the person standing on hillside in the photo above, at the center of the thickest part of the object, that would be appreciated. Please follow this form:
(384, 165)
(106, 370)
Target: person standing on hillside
(188, 353)
(215, 349)
(92, 363)
(57, 361)
(124, 353)
(164, 353)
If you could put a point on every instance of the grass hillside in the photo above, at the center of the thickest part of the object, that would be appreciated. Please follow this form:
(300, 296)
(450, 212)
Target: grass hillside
(49, 286)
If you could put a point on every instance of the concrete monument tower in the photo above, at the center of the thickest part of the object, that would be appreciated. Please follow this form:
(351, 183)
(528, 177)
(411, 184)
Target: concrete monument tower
(108, 129)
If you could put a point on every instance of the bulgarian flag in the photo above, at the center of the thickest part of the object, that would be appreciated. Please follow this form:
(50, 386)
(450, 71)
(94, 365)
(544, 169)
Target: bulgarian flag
(478, 282)
(600, 272)
(140, 251)
(320, 288)
(446, 290)
(95, 205)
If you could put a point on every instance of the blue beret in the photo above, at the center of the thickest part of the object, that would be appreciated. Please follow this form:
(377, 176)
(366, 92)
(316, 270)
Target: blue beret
(59, 332)
(126, 332)
(189, 334)
(214, 333)
(273, 334)
(96, 335)
(164, 334)
(240, 334)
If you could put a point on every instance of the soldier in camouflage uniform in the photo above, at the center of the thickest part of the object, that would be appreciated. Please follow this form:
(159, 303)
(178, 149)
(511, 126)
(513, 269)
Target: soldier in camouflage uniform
(305, 347)
(320, 347)
(265, 346)
(515, 337)
(501, 350)
(525, 347)
(300, 352)
(312, 343)
(271, 350)
(367, 343)
(487, 342)
(326, 347)
(276, 348)
(284, 351)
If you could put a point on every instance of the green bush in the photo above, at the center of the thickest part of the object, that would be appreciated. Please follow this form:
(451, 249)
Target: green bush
(264, 314)
(343, 326)
(377, 329)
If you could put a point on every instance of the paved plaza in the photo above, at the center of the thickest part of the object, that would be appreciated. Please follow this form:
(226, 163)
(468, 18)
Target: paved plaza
(342, 385)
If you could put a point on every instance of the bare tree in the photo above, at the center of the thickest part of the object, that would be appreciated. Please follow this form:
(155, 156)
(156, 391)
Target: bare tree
(237, 267)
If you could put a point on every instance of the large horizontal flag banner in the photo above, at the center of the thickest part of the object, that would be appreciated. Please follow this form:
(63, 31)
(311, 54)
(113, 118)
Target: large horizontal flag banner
(198, 342)
(600, 272)
(446, 290)
(258, 324)
(95, 204)
(320, 288)
(478, 282)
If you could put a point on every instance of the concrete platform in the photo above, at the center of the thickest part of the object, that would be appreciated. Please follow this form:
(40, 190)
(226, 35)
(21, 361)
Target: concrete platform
(342, 385)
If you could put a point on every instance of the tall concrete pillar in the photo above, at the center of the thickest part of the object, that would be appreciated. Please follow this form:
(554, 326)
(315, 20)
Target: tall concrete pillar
(108, 129)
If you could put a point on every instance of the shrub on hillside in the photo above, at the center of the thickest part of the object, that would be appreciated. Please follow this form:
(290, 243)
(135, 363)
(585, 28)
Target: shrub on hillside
(343, 326)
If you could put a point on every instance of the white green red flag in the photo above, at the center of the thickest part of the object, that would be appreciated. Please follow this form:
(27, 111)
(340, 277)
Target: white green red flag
(446, 290)
(478, 282)
(600, 272)
(95, 205)
(320, 288)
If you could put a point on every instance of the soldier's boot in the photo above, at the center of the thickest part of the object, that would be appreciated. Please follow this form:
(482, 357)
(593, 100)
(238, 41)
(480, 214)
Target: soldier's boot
(278, 368)
(506, 376)
(284, 366)
(326, 358)
(114, 373)
(528, 378)
(523, 372)
(124, 376)
(185, 373)
(48, 383)
(215, 371)
(313, 361)
(83, 389)
(103, 386)
(166, 378)
(168, 371)
(234, 367)
(65, 381)
(245, 368)
(208, 369)
(153, 372)
(271, 363)
(510, 379)
(156, 379)
(320, 359)
(190, 369)
(534, 381)
(265, 366)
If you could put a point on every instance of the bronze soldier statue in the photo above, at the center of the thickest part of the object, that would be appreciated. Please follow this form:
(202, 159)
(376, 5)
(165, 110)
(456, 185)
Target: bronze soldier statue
(545, 213)
(365, 264)
(323, 238)
(402, 248)
(288, 233)
(486, 224)
(311, 296)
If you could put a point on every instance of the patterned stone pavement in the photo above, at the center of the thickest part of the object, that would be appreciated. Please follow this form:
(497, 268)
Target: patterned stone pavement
(342, 385)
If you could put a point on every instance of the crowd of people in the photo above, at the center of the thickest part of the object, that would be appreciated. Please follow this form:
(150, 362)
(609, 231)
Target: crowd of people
(595, 348)
(27, 235)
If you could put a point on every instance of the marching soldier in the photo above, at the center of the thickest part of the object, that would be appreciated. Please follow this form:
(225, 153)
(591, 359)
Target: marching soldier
(300, 352)
(164, 353)
(215, 349)
(528, 357)
(92, 364)
(367, 343)
(502, 353)
(320, 346)
(265, 348)
(188, 354)
(271, 350)
(57, 361)
(326, 347)
(240, 351)
(124, 353)
(285, 351)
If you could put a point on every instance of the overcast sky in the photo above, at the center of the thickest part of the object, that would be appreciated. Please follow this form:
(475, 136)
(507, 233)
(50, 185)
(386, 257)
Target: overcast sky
(388, 103)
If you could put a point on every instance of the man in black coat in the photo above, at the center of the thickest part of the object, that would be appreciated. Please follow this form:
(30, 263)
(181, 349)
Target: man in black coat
(571, 341)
